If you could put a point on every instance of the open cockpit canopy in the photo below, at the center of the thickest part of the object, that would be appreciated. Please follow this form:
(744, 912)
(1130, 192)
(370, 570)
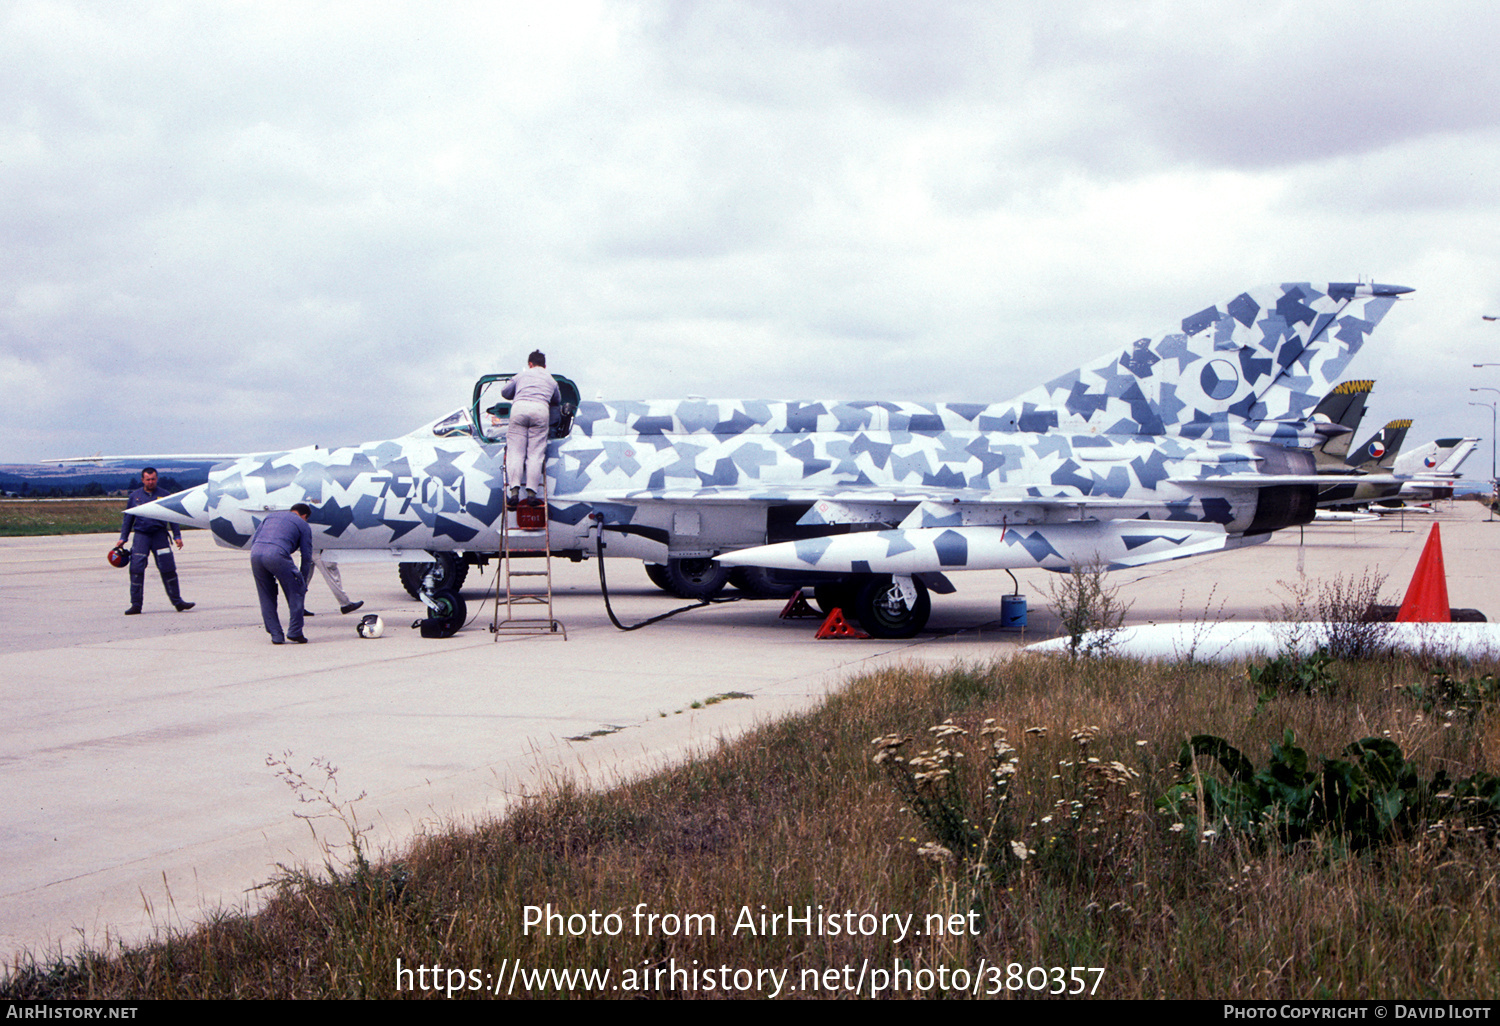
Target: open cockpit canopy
(491, 411)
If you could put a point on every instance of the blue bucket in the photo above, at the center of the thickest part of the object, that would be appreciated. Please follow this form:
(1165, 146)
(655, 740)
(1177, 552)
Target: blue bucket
(1012, 612)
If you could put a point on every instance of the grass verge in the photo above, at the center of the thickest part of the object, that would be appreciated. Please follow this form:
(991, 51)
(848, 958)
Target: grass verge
(667, 886)
(27, 517)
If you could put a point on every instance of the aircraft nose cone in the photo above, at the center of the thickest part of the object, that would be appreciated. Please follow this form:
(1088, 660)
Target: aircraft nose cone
(188, 508)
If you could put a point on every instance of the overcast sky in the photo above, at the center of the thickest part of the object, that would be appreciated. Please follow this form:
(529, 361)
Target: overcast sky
(238, 226)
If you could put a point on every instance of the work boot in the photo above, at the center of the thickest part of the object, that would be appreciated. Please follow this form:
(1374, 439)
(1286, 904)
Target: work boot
(531, 499)
(133, 611)
(513, 499)
(183, 607)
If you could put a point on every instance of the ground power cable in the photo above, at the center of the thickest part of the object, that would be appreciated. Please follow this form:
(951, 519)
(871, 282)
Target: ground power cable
(604, 590)
(494, 587)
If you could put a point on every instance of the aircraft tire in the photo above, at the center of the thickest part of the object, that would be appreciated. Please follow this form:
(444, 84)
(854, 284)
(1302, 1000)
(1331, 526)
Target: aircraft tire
(452, 571)
(450, 612)
(884, 613)
(699, 579)
(657, 572)
(759, 582)
(836, 595)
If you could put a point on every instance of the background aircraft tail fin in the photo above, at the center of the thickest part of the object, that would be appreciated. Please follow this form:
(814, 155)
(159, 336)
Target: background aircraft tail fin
(1336, 419)
(1380, 452)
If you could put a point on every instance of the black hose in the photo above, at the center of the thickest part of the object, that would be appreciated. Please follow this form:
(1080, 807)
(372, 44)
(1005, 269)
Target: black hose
(604, 590)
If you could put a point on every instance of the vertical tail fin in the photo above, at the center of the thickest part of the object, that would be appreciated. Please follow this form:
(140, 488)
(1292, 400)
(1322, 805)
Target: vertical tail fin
(1457, 454)
(1266, 355)
(1380, 452)
(1441, 457)
(1336, 418)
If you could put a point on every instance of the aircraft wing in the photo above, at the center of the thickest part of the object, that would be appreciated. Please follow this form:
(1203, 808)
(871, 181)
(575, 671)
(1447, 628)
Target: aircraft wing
(1268, 480)
(887, 499)
(934, 528)
(155, 457)
(846, 505)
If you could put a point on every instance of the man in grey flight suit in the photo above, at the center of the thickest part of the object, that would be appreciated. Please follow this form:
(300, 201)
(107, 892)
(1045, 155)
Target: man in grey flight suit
(150, 541)
(533, 394)
(278, 536)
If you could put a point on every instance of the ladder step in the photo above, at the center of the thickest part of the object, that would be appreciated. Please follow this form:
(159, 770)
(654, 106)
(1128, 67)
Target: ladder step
(530, 573)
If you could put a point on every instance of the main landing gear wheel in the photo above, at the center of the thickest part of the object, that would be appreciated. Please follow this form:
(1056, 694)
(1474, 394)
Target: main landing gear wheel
(699, 579)
(759, 582)
(883, 611)
(836, 595)
(657, 572)
(449, 571)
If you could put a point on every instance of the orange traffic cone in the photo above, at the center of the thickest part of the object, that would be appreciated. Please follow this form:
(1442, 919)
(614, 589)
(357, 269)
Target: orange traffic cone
(1427, 596)
(837, 627)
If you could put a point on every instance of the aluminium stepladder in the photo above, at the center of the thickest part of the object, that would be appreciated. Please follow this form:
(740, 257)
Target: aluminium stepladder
(520, 590)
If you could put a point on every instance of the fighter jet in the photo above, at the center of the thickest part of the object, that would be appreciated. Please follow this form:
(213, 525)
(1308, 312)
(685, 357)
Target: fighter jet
(1369, 470)
(1337, 417)
(1193, 443)
(1381, 471)
(1433, 468)
(1382, 450)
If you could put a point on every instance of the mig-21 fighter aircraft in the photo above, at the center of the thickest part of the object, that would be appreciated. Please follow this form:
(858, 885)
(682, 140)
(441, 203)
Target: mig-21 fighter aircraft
(1433, 468)
(1192, 443)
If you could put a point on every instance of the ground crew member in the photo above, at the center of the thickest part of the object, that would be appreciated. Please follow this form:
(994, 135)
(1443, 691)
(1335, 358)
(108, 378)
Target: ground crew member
(278, 536)
(335, 582)
(533, 394)
(150, 541)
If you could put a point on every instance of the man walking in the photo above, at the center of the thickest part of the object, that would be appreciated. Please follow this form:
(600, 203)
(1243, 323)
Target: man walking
(335, 582)
(278, 536)
(150, 541)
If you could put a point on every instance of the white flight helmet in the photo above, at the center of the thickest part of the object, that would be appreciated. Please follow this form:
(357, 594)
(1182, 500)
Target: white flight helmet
(370, 626)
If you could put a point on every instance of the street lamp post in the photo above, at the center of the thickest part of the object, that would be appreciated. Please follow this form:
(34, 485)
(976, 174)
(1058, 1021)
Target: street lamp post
(1493, 482)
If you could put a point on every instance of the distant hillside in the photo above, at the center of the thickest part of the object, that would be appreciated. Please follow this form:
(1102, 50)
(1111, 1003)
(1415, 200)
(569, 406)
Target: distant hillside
(64, 482)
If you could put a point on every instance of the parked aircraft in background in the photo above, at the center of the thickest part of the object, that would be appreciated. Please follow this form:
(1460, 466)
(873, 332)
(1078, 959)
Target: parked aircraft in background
(1387, 474)
(1193, 443)
(1382, 450)
(1433, 468)
(1369, 470)
(1338, 415)
(1379, 469)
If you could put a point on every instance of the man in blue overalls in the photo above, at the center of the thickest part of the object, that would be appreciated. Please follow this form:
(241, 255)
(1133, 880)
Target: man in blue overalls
(279, 536)
(150, 540)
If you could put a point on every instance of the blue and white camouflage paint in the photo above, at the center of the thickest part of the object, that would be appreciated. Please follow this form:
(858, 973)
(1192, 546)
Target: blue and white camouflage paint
(1191, 443)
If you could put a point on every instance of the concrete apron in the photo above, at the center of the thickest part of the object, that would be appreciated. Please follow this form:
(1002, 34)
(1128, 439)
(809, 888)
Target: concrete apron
(139, 795)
